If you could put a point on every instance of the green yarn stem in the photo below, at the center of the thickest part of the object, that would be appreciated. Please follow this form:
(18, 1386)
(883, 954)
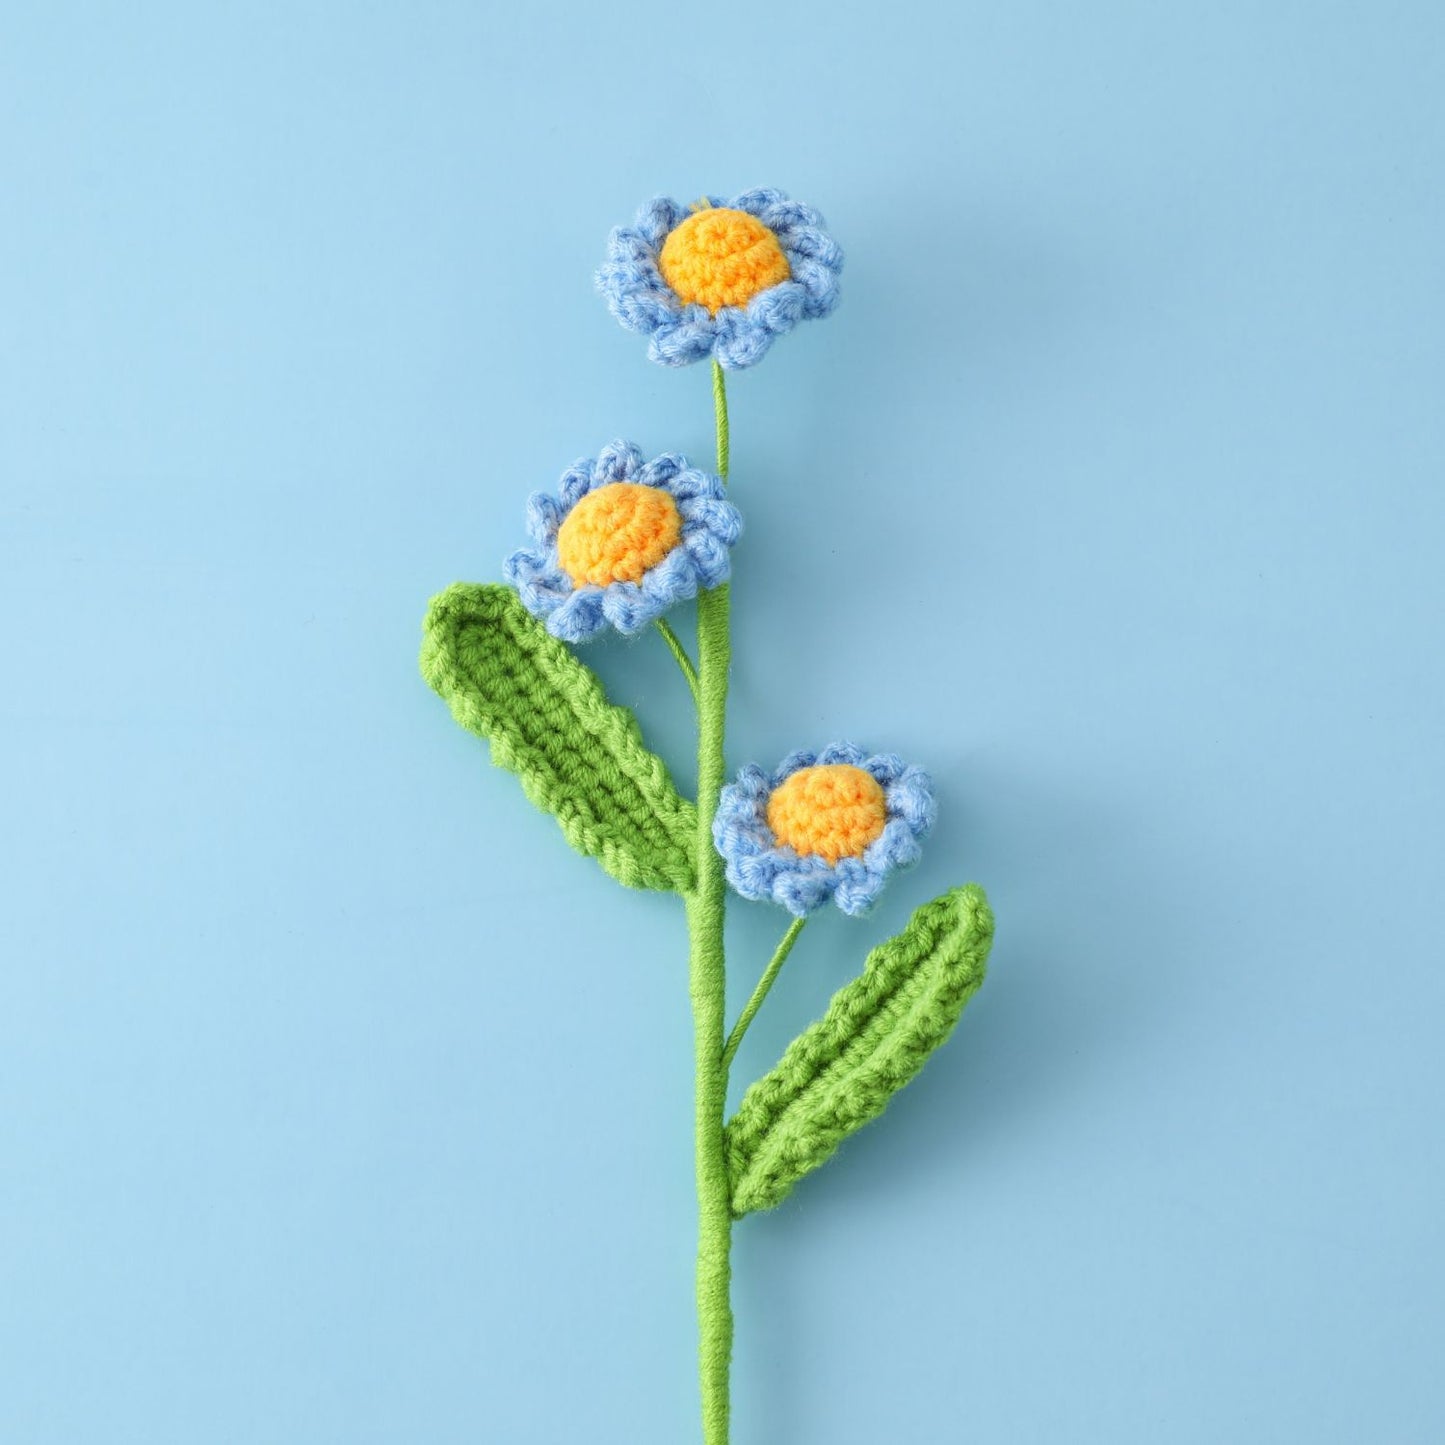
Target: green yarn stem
(707, 987)
(674, 645)
(770, 973)
(720, 412)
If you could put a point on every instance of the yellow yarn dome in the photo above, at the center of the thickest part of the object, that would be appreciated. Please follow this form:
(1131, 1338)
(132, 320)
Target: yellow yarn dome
(834, 811)
(720, 257)
(618, 533)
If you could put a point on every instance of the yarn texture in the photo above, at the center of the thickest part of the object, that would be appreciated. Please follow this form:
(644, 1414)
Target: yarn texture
(618, 533)
(877, 1033)
(699, 287)
(835, 811)
(622, 542)
(763, 864)
(721, 257)
(580, 757)
(707, 988)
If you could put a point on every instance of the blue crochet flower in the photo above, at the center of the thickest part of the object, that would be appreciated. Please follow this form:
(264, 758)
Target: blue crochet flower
(829, 825)
(622, 542)
(721, 279)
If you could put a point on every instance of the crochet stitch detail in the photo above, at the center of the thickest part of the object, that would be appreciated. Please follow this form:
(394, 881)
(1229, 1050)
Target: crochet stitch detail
(761, 865)
(700, 557)
(620, 541)
(579, 757)
(834, 811)
(878, 1031)
(618, 534)
(721, 257)
(680, 331)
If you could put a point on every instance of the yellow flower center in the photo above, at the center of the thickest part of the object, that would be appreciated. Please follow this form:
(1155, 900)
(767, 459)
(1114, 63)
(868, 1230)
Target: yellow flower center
(720, 257)
(617, 533)
(835, 811)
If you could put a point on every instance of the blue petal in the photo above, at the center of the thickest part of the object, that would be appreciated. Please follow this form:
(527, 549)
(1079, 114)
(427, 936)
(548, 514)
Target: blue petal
(886, 767)
(820, 285)
(757, 200)
(632, 286)
(754, 876)
(628, 608)
(741, 342)
(858, 889)
(627, 247)
(800, 892)
(544, 517)
(897, 846)
(795, 762)
(642, 306)
(752, 783)
(695, 483)
(617, 462)
(784, 216)
(661, 470)
(657, 218)
(579, 617)
(760, 861)
(779, 308)
(734, 825)
(673, 580)
(710, 556)
(720, 518)
(811, 244)
(576, 483)
(539, 582)
(680, 343)
(911, 798)
(740, 840)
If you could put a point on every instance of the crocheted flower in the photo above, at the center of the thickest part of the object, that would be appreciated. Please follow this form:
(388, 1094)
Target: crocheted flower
(829, 825)
(622, 542)
(721, 279)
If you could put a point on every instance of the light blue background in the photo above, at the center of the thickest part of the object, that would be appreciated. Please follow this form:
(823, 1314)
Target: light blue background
(340, 1102)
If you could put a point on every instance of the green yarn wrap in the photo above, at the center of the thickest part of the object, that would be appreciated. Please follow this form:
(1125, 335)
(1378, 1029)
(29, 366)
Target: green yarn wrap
(877, 1034)
(582, 759)
(579, 757)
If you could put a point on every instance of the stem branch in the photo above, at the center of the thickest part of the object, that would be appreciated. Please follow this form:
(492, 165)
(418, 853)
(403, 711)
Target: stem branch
(674, 644)
(770, 973)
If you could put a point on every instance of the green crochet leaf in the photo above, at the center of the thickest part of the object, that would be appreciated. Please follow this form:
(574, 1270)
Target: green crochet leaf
(877, 1033)
(580, 757)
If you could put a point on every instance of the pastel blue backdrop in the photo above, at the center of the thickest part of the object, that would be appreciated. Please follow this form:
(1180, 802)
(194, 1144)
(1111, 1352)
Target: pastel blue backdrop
(339, 1101)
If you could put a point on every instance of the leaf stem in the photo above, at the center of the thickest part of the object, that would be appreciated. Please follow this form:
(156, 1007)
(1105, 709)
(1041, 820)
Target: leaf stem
(674, 643)
(707, 987)
(770, 974)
